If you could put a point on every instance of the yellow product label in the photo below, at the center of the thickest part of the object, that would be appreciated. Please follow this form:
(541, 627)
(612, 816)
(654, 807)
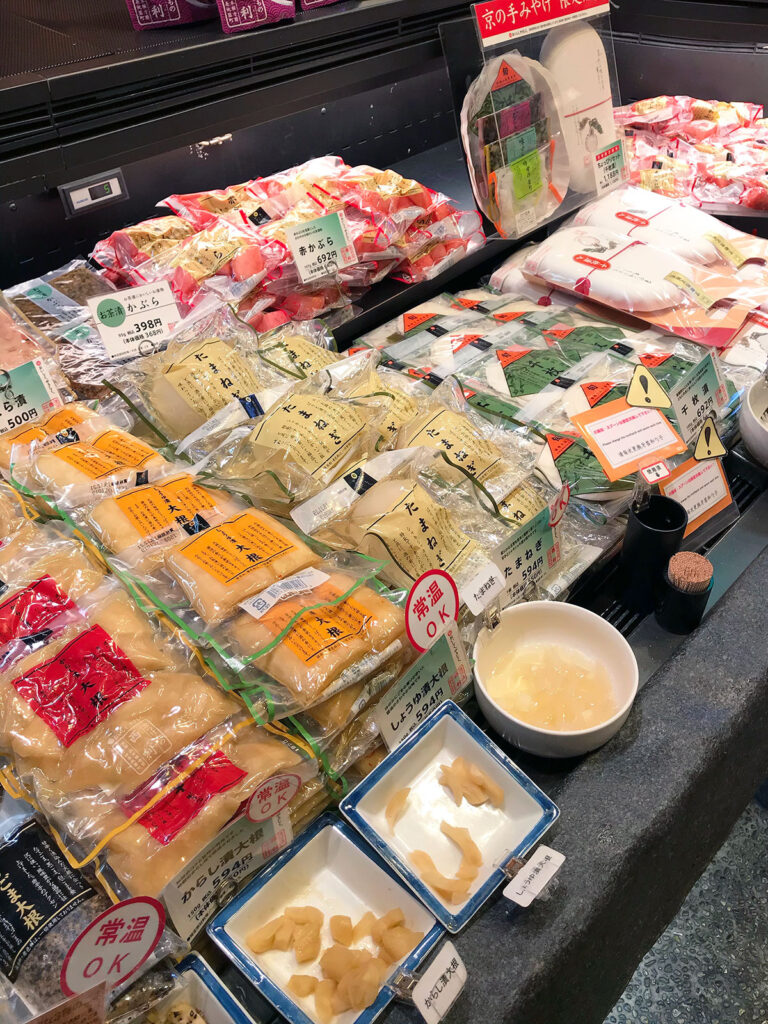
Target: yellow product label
(87, 460)
(455, 435)
(691, 289)
(317, 431)
(321, 629)
(522, 504)
(206, 255)
(155, 507)
(728, 251)
(24, 435)
(231, 199)
(126, 450)
(402, 409)
(657, 181)
(646, 106)
(210, 375)
(237, 546)
(63, 418)
(298, 353)
(420, 535)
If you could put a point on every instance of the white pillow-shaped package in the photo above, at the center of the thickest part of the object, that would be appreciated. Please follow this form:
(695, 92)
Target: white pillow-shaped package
(609, 268)
(575, 58)
(657, 220)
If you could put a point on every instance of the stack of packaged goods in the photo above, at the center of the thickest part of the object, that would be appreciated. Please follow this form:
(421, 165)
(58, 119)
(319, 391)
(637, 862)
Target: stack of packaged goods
(204, 574)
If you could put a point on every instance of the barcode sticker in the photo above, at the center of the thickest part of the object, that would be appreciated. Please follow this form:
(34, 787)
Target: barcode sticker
(299, 583)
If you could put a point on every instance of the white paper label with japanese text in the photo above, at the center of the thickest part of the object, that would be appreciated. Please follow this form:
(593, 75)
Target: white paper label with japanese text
(528, 554)
(87, 1008)
(700, 489)
(321, 247)
(534, 877)
(609, 166)
(299, 583)
(652, 474)
(700, 393)
(440, 985)
(439, 675)
(135, 322)
(204, 885)
(626, 436)
(27, 392)
(114, 946)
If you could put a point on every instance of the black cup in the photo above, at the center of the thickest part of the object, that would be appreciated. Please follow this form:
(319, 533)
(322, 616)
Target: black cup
(654, 534)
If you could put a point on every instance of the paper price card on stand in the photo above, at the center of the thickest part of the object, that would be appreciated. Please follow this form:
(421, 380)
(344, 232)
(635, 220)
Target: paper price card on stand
(437, 676)
(701, 488)
(499, 21)
(26, 393)
(534, 876)
(321, 246)
(529, 553)
(440, 985)
(624, 438)
(113, 946)
(196, 893)
(135, 322)
(609, 167)
(699, 394)
(88, 1008)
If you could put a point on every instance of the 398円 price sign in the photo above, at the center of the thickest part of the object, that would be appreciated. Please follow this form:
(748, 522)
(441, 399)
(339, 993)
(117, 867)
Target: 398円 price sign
(499, 21)
(114, 945)
(321, 247)
(137, 321)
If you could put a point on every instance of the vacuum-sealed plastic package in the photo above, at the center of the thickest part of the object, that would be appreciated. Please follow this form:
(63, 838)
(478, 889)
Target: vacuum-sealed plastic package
(653, 284)
(126, 249)
(298, 350)
(278, 193)
(408, 515)
(225, 564)
(210, 360)
(60, 419)
(168, 13)
(313, 433)
(319, 630)
(58, 299)
(565, 458)
(140, 524)
(55, 903)
(202, 209)
(239, 17)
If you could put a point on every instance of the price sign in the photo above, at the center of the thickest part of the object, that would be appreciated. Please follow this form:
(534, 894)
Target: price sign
(533, 550)
(609, 167)
(88, 1008)
(699, 394)
(438, 675)
(269, 799)
(499, 21)
(114, 946)
(321, 247)
(27, 392)
(135, 322)
(433, 604)
(440, 985)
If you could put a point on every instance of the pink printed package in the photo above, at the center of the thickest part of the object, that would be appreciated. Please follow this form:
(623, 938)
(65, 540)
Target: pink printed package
(167, 13)
(240, 15)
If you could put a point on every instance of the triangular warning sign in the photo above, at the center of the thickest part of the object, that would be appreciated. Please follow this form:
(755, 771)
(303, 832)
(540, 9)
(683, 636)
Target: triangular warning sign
(506, 76)
(645, 391)
(511, 355)
(506, 318)
(558, 445)
(708, 444)
(654, 360)
(413, 320)
(596, 390)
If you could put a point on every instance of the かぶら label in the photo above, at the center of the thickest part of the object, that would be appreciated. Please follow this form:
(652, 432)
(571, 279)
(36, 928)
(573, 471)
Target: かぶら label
(81, 685)
(235, 547)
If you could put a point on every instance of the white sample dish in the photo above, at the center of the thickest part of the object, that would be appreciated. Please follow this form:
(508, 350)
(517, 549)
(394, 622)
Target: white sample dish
(500, 833)
(326, 868)
(753, 421)
(542, 622)
(205, 992)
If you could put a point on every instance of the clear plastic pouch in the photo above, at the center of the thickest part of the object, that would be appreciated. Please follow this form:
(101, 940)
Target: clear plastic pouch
(59, 299)
(125, 250)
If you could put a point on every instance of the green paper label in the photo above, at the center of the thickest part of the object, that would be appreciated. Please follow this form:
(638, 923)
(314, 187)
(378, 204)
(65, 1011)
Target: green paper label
(111, 312)
(526, 175)
(26, 393)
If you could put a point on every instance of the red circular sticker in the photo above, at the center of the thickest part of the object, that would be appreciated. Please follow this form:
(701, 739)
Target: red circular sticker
(559, 505)
(269, 799)
(433, 604)
(114, 946)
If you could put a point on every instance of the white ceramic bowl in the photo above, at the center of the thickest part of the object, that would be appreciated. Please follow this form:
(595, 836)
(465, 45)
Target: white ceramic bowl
(547, 621)
(753, 430)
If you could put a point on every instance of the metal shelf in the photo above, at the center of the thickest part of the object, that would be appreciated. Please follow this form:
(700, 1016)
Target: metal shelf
(82, 90)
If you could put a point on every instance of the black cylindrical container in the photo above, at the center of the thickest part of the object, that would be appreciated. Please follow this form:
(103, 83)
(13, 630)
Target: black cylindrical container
(679, 611)
(654, 534)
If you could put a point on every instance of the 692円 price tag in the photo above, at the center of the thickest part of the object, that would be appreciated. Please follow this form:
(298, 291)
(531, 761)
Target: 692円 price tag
(321, 247)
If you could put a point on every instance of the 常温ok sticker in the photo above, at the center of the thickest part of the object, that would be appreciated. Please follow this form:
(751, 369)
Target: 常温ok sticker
(433, 604)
